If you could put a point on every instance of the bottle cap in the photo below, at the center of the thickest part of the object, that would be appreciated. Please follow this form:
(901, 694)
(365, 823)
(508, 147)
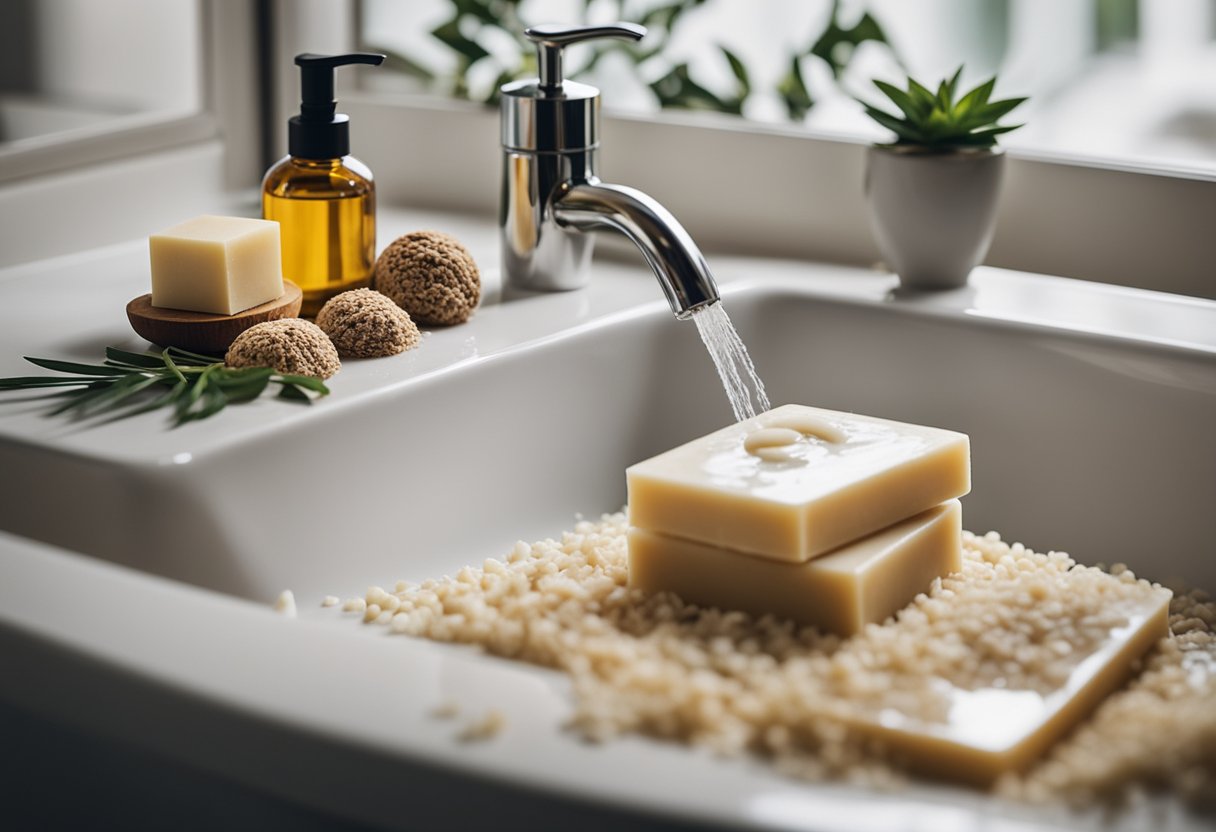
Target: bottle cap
(319, 132)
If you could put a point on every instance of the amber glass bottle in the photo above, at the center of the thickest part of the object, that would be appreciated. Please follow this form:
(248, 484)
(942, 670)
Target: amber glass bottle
(326, 209)
(323, 198)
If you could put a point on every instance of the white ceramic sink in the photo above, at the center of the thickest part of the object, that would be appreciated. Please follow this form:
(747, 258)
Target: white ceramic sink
(1097, 446)
(1090, 412)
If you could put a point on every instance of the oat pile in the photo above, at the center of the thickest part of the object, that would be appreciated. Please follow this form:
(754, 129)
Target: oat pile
(736, 685)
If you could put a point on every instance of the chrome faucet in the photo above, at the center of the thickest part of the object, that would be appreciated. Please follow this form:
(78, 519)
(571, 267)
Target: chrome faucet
(551, 195)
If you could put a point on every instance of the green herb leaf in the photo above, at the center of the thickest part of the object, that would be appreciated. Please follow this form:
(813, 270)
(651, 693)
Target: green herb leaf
(115, 394)
(245, 384)
(293, 393)
(166, 398)
(198, 385)
(81, 397)
(187, 402)
(307, 382)
(171, 365)
(134, 359)
(77, 369)
(27, 382)
(192, 359)
(211, 401)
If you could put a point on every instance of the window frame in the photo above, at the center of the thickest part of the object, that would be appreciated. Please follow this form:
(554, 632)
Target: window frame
(790, 192)
(229, 112)
(83, 192)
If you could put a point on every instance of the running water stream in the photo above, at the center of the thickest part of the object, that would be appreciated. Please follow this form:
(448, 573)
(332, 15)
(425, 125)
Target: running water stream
(743, 386)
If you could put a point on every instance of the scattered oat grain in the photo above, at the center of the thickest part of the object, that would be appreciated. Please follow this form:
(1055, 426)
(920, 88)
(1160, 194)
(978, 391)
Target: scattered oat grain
(736, 685)
(450, 709)
(488, 726)
(285, 604)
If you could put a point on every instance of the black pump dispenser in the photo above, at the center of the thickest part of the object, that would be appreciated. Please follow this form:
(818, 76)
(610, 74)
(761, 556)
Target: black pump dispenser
(319, 132)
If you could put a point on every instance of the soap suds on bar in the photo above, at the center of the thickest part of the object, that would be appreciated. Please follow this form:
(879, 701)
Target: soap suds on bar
(797, 482)
(1011, 621)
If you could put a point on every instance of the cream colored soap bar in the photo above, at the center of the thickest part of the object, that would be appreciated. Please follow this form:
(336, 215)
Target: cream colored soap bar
(864, 582)
(220, 265)
(796, 482)
(985, 731)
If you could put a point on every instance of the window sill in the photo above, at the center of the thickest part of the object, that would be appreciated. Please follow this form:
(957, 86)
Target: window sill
(108, 202)
(751, 189)
(103, 141)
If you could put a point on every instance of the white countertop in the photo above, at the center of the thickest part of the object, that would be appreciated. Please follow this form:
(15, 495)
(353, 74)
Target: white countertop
(72, 307)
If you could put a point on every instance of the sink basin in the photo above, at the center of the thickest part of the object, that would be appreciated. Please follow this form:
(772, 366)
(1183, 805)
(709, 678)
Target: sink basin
(1090, 412)
(1101, 447)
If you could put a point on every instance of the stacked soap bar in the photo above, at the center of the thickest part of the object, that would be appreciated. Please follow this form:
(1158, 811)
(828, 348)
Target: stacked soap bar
(217, 265)
(831, 519)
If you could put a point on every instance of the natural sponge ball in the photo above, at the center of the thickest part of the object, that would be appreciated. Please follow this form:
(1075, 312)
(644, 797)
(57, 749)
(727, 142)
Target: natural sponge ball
(363, 323)
(289, 345)
(430, 275)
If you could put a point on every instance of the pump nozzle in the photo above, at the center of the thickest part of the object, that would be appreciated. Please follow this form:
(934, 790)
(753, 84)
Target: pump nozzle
(319, 132)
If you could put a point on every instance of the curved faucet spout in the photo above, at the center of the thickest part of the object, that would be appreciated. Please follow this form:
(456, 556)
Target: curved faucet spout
(670, 251)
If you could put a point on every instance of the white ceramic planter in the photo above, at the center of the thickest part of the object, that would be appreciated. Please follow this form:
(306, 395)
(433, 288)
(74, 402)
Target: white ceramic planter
(933, 213)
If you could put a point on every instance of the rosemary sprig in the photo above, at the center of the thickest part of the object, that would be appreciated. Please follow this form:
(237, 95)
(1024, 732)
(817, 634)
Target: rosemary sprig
(194, 386)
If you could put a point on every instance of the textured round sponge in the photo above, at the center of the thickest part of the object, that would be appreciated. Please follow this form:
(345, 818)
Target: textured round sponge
(431, 276)
(289, 345)
(363, 323)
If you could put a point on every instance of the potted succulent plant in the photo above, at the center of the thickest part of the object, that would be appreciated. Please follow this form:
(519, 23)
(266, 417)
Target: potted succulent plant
(932, 193)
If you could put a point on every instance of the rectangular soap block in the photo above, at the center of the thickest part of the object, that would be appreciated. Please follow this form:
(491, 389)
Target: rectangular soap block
(796, 482)
(861, 583)
(986, 730)
(218, 265)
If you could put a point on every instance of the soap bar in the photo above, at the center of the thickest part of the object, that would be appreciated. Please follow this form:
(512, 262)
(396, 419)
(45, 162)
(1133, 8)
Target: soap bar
(218, 265)
(985, 731)
(796, 482)
(858, 584)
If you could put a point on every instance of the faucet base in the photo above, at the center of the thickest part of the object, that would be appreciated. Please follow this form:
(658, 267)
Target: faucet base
(539, 255)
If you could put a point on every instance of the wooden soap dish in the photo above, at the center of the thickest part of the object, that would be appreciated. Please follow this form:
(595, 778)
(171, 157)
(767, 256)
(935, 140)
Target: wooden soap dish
(204, 332)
